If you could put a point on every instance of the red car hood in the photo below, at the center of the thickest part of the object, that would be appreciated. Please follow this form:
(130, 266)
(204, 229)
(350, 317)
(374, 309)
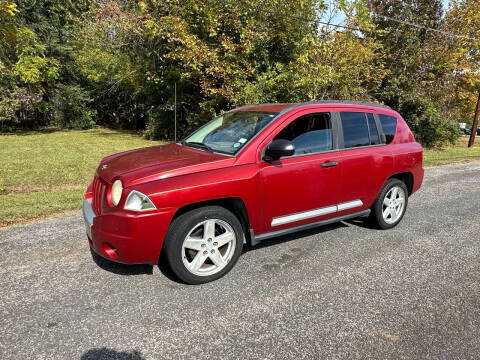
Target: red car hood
(158, 162)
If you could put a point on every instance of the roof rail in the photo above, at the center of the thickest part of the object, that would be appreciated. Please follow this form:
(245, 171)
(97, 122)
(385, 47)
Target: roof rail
(337, 102)
(353, 102)
(319, 102)
(347, 102)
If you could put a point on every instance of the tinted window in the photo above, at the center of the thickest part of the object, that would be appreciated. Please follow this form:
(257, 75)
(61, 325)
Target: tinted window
(389, 125)
(372, 130)
(355, 129)
(229, 132)
(309, 134)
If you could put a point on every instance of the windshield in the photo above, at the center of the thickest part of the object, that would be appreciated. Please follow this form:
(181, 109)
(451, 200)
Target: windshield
(229, 132)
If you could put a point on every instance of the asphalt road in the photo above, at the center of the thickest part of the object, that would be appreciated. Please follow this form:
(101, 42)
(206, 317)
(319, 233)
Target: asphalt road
(342, 291)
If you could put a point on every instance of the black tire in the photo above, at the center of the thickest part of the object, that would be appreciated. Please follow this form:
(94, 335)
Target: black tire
(181, 227)
(377, 208)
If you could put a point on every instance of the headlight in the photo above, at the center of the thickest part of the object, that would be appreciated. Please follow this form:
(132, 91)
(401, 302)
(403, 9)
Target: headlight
(137, 201)
(116, 192)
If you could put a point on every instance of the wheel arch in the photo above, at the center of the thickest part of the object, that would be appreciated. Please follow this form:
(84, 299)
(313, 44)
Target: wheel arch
(234, 204)
(406, 178)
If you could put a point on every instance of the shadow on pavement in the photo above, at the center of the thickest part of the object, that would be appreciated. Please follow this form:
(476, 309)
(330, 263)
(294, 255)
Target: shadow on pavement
(166, 271)
(364, 223)
(109, 354)
(142, 269)
(294, 236)
(121, 269)
(129, 270)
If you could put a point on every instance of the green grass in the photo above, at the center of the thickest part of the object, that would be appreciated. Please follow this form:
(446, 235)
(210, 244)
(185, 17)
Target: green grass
(44, 172)
(452, 154)
(27, 206)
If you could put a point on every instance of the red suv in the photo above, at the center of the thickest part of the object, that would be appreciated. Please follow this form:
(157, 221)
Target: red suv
(250, 174)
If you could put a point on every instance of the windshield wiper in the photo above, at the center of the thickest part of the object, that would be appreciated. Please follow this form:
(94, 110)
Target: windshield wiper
(197, 144)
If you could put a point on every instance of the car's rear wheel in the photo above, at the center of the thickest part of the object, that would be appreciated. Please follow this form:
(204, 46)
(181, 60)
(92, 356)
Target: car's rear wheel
(391, 204)
(203, 244)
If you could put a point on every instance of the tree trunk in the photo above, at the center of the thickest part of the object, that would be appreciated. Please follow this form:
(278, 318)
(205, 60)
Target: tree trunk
(475, 123)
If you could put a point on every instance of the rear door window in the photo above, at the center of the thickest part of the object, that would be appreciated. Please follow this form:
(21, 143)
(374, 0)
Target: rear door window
(389, 126)
(355, 129)
(309, 134)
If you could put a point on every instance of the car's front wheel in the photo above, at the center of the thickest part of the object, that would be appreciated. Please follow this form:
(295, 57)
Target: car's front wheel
(203, 244)
(391, 204)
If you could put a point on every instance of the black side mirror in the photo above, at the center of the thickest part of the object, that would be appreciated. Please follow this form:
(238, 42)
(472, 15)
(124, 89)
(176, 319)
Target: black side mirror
(279, 148)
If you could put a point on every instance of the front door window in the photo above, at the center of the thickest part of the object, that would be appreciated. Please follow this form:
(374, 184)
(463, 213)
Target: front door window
(309, 134)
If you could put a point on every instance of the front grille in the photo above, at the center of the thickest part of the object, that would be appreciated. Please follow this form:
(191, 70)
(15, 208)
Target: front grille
(97, 198)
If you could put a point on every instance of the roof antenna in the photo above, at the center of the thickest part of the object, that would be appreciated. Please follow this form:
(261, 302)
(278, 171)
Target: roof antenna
(175, 111)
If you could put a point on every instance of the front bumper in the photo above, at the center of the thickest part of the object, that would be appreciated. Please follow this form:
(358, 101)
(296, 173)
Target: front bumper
(127, 237)
(88, 216)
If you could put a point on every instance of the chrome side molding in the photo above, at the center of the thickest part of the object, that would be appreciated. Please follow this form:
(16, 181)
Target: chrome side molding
(255, 239)
(276, 221)
(349, 205)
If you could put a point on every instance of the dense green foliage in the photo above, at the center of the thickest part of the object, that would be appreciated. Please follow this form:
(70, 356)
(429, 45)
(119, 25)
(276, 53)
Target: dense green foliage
(117, 62)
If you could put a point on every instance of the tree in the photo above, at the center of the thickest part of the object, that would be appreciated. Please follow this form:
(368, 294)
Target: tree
(34, 59)
(221, 54)
(117, 63)
(463, 18)
(417, 69)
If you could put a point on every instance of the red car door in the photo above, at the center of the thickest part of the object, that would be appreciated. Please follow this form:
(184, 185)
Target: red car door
(364, 161)
(302, 188)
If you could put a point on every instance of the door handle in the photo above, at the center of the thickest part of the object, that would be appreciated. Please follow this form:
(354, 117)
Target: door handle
(329, 164)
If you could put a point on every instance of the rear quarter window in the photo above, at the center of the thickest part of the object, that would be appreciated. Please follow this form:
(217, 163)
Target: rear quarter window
(389, 126)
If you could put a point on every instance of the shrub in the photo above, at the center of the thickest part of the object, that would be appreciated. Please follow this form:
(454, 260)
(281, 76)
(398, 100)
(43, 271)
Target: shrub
(158, 124)
(71, 108)
(435, 129)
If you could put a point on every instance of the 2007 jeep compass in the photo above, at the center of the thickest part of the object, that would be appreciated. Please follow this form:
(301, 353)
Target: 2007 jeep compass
(252, 173)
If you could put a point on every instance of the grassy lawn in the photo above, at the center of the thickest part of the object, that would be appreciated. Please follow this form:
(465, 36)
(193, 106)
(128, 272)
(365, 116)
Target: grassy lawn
(46, 172)
(452, 154)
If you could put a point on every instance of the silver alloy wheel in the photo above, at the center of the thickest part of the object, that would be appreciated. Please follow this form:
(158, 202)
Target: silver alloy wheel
(393, 205)
(208, 247)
